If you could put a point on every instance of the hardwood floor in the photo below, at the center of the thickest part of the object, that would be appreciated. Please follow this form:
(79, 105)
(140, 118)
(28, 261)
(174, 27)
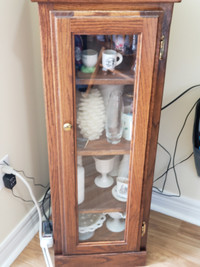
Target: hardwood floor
(171, 243)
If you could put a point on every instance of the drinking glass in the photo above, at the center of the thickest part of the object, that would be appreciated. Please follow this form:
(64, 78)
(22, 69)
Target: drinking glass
(114, 125)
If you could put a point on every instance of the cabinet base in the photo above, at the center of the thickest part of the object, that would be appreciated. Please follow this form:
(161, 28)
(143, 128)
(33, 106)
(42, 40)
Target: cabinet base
(128, 259)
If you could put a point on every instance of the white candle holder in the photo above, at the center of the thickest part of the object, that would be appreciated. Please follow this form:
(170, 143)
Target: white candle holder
(81, 183)
(104, 164)
(116, 222)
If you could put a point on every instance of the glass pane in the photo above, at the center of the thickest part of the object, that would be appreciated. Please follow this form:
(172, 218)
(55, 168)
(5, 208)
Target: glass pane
(105, 70)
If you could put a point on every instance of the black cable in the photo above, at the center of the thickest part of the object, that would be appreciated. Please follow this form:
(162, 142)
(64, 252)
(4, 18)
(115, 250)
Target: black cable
(32, 178)
(43, 202)
(28, 201)
(174, 100)
(172, 167)
(47, 197)
(174, 155)
(161, 191)
(28, 177)
(163, 194)
(176, 144)
(49, 205)
(166, 173)
(25, 200)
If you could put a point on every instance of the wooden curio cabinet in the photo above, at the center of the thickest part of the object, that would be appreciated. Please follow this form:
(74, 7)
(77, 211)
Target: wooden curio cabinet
(104, 66)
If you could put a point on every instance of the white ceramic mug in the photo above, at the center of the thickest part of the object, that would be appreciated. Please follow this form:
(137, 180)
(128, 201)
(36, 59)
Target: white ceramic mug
(89, 58)
(122, 186)
(109, 59)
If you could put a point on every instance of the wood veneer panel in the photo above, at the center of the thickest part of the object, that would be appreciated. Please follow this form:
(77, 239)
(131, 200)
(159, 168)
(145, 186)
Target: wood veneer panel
(53, 113)
(140, 7)
(128, 259)
(141, 117)
(153, 129)
(102, 78)
(147, 26)
(102, 147)
(64, 72)
(105, 1)
(51, 122)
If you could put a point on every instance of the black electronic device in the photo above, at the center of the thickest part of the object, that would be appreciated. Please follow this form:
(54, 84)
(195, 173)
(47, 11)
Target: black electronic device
(196, 138)
(9, 180)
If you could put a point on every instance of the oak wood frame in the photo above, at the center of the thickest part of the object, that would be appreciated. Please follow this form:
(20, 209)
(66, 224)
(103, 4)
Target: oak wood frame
(105, 1)
(54, 131)
(66, 23)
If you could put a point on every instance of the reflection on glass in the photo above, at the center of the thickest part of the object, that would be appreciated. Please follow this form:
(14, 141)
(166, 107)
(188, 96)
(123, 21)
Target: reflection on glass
(114, 113)
(105, 69)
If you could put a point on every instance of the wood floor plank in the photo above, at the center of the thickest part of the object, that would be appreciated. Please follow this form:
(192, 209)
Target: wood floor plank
(171, 243)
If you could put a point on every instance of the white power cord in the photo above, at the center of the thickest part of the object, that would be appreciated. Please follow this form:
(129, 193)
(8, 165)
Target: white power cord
(45, 242)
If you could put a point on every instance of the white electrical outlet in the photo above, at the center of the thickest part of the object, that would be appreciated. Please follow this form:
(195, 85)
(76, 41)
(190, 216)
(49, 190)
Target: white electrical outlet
(4, 159)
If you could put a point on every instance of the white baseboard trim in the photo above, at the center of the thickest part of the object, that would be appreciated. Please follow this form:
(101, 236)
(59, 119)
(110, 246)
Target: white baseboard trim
(19, 238)
(182, 208)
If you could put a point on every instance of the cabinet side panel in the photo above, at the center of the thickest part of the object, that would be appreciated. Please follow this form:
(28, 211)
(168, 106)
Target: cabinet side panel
(51, 121)
(153, 129)
(142, 97)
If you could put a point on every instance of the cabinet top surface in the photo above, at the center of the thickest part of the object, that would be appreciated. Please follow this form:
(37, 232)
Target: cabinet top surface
(107, 1)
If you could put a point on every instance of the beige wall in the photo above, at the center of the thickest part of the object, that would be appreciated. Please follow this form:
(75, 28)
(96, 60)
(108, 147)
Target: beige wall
(22, 134)
(183, 71)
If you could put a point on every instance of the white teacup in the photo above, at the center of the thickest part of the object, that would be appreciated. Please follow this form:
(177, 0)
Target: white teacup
(109, 59)
(89, 58)
(122, 186)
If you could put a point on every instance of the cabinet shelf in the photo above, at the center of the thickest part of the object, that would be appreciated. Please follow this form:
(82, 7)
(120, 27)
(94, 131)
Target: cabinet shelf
(102, 77)
(108, 78)
(106, 234)
(102, 147)
(98, 200)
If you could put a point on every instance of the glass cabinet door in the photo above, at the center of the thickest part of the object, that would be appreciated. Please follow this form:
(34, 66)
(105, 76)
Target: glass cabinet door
(105, 64)
(104, 82)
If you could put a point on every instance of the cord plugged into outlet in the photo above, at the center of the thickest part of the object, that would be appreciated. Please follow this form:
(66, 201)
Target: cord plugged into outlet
(46, 240)
(9, 180)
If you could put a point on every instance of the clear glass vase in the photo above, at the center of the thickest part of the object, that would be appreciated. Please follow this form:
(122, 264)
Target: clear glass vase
(114, 126)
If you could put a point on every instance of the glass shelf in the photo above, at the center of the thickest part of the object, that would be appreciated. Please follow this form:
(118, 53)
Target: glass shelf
(106, 234)
(102, 147)
(102, 77)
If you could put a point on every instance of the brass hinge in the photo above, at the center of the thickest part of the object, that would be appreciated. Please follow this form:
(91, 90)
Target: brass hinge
(144, 227)
(162, 47)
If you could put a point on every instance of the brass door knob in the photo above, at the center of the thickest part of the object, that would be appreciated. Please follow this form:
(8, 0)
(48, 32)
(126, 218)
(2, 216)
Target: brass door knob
(67, 126)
